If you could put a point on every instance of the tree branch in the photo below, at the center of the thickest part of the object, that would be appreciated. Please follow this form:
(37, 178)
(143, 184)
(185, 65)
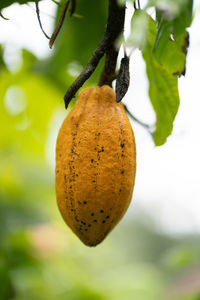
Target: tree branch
(114, 27)
(39, 20)
(61, 20)
(3, 16)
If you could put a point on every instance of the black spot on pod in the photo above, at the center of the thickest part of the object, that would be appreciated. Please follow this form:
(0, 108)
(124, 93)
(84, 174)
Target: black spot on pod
(123, 79)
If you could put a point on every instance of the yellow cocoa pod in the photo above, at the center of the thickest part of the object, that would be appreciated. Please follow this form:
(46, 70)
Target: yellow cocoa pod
(95, 164)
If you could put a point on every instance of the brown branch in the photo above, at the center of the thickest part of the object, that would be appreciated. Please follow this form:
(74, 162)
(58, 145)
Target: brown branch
(136, 7)
(108, 73)
(39, 20)
(61, 20)
(115, 25)
(73, 7)
(3, 16)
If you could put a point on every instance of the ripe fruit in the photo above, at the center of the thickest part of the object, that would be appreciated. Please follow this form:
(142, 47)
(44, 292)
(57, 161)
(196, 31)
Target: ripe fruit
(95, 164)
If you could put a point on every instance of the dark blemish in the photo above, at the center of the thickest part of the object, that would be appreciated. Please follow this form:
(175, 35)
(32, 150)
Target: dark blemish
(95, 221)
(122, 155)
(86, 229)
(84, 202)
(98, 158)
(122, 171)
(77, 175)
(92, 214)
(89, 225)
(60, 155)
(103, 221)
(94, 181)
(82, 222)
(74, 138)
(75, 153)
(57, 171)
(122, 145)
(65, 176)
(79, 142)
(80, 229)
(120, 190)
(79, 202)
(72, 209)
(107, 217)
(76, 219)
(92, 160)
(95, 148)
(101, 211)
(102, 150)
(98, 133)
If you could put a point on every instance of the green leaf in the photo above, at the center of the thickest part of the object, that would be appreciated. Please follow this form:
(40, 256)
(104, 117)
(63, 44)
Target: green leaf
(139, 30)
(170, 50)
(163, 86)
(6, 3)
(172, 39)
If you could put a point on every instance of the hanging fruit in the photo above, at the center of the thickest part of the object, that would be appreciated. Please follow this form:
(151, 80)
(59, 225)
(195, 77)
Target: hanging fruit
(95, 164)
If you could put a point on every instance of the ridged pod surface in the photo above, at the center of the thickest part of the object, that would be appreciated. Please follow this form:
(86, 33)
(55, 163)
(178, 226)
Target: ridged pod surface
(95, 164)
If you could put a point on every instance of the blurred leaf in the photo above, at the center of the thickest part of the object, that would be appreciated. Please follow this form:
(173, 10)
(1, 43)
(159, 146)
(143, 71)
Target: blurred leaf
(29, 59)
(6, 3)
(139, 30)
(178, 12)
(181, 256)
(2, 63)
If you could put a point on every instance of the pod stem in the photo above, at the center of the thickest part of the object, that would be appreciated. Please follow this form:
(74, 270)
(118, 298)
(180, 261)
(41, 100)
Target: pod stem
(114, 27)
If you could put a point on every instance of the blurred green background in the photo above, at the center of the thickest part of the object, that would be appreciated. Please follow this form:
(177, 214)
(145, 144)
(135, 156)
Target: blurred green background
(39, 256)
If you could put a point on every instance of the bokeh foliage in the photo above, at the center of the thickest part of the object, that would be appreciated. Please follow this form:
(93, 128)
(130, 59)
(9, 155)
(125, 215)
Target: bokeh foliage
(39, 256)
